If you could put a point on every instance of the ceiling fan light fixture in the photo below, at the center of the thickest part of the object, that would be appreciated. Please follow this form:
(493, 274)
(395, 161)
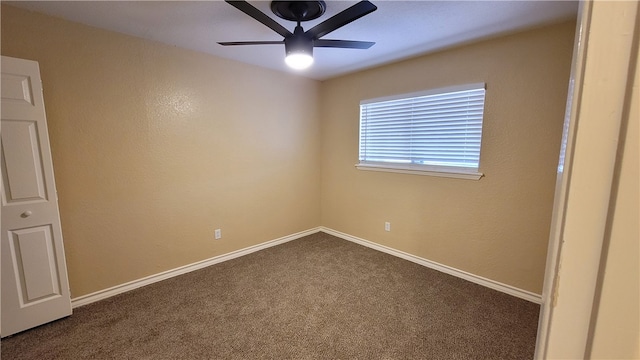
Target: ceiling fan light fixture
(298, 61)
(299, 44)
(299, 50)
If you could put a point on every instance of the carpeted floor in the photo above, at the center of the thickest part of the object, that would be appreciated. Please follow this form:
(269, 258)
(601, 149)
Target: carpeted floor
(318, 297)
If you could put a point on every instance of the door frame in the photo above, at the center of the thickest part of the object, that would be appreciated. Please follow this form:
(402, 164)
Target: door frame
(603, 51)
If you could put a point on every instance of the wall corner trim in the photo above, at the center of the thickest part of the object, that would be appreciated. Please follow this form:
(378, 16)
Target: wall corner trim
(131, 285)
(504, 288)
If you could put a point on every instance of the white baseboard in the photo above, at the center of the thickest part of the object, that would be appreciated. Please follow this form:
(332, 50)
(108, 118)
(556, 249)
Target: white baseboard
(131, 285)
(122, 288)
(507, 289)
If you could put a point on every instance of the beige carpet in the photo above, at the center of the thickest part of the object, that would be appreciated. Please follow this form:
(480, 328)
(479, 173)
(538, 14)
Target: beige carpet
(318, 297)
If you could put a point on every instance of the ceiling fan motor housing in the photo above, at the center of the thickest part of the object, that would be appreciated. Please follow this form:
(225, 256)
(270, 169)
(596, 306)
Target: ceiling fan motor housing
(298, 10)
(298, 43)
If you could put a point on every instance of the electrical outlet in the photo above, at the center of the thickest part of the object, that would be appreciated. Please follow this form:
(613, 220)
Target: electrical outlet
(217, 233)
(387, 226)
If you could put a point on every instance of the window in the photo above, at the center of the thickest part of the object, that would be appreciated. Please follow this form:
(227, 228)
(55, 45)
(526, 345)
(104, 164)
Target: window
(435, 132)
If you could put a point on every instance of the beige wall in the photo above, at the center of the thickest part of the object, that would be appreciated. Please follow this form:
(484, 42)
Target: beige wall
(497, 227)
(154, 147)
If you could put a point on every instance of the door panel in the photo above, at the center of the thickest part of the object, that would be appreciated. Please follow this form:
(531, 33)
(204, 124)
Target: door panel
(21, 151)
(36, 279)
(17, 88)
(35, 288)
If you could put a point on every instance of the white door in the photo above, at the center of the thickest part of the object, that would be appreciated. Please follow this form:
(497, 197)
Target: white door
(35, 288)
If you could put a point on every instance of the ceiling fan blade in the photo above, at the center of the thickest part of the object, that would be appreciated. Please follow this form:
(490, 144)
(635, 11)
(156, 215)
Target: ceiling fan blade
(341, 19)
(250, 10)
(344, 44)
(231, 43)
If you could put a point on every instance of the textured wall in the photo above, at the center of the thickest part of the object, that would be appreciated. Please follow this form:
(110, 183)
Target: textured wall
(154, 147)
(497, 227)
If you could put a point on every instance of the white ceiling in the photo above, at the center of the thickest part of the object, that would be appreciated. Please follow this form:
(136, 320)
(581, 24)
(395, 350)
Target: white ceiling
(401, 29)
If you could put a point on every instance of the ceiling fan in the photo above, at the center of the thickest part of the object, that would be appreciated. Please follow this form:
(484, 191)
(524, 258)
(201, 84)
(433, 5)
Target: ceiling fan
(299, 44)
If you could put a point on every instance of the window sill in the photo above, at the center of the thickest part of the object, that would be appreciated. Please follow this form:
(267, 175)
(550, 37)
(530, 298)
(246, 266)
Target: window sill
(455, 173)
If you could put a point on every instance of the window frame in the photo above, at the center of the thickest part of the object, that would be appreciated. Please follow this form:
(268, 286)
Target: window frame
(458, 172)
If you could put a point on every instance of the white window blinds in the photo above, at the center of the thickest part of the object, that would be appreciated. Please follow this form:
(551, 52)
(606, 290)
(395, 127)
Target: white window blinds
(441, 128)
